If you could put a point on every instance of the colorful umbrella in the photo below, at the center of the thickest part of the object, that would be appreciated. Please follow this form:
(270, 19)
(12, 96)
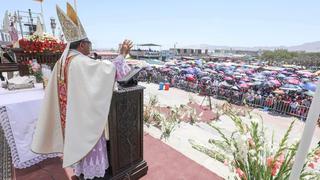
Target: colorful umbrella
(245, 79)
(309, 86)
(278, 91)
(224, 83)
(281, 75)
(276, 82)
(309, 93)
(165, 70)
(190, 77)
(290, 87)
(235, 88)
(305, 79)
(185, 65)
(228, 78)
(205, 78)
(293, 81)
(244, 86)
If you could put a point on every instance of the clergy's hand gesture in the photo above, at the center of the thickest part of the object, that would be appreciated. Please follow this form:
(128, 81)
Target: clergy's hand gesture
(126, 47)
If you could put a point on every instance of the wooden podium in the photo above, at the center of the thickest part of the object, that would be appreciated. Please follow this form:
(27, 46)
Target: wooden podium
(125, 146)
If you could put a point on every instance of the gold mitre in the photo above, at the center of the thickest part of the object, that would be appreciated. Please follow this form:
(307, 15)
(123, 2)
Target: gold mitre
(71, 25)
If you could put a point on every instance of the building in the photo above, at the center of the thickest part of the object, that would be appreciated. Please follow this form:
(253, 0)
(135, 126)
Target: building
(189, 52)
(5, 38)
(105, 54)
(246, 52)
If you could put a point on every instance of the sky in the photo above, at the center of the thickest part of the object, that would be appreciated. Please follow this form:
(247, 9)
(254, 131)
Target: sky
(183, 22)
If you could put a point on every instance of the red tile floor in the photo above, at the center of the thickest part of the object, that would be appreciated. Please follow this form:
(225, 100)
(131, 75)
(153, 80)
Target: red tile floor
(164, 163)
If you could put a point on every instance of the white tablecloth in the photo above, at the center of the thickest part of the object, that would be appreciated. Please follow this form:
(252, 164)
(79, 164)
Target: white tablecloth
(19, 111)
(38, 86)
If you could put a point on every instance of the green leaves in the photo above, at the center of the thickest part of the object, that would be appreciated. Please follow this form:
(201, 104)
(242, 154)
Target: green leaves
(253, 154)
(210, 152)
(166, 123)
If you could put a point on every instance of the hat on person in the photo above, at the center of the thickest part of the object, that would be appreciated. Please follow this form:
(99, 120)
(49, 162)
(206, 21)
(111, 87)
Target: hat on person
(72, 28)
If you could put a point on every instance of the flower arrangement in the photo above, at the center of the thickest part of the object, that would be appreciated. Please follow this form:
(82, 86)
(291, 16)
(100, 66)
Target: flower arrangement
(250, 155)
(41, 44)
(35, 70)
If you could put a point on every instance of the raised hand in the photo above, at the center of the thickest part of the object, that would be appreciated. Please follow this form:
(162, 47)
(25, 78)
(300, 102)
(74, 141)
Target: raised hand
(126, 47)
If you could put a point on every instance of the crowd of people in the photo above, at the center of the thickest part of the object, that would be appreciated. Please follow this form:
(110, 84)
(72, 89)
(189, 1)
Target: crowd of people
(283, 90)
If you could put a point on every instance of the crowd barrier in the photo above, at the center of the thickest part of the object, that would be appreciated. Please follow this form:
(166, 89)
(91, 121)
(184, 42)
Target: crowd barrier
(239, 98)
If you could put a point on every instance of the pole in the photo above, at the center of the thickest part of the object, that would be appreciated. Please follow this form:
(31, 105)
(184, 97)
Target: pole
(20, 24)
(42, 16)
(306, 139)
(75, 5)
(31, 22)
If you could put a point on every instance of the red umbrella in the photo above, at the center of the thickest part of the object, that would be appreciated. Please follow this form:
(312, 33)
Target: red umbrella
(244, 85)
(190, 77)
(294, 81)
(228, 78)
(307, 74)
(276, 82)
(165, 70)
(245, 79)
(249, 71)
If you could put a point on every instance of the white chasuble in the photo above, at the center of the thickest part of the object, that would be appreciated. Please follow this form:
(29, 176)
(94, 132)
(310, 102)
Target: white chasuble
(89, 92)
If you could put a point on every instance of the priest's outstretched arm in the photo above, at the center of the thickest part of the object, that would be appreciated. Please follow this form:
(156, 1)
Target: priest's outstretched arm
(122, 68)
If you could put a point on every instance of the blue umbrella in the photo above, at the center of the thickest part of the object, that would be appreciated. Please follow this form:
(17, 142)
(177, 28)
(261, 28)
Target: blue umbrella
(184, 71)
(201, 73)
(290, 87)
(305, 79)
(257, 83)
(185, 65)
(309, 86)
(196, 70)
(229, 72)
(267, 72)
(190, 70)
(149, 68)
(281, 76)
(309, 93)
(199, 62)
(205, 78)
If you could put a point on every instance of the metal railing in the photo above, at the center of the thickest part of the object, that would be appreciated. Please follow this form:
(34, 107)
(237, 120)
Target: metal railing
(240, 98)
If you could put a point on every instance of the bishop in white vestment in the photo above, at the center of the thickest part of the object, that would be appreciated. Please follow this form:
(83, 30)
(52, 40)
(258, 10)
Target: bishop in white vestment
(75, 108)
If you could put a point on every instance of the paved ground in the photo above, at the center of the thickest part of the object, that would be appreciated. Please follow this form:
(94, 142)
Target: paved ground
(273, 122)
(201, 132)
(164, 163)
